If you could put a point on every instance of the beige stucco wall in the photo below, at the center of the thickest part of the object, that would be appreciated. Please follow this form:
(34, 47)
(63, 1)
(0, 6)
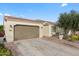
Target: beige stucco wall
(47, 31)
(50, 30)
(9, 32)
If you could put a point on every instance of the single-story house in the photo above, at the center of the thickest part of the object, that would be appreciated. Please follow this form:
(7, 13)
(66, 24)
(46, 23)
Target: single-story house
(18, 28)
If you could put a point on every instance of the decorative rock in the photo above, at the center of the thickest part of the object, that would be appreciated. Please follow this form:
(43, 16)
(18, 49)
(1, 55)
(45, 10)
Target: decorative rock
(60, 37)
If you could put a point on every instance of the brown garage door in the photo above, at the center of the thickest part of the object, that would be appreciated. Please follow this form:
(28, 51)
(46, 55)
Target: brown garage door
(26, 32)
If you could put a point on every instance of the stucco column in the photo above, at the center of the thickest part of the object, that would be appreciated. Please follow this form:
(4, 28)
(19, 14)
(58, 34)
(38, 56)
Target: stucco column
(8, 31)
(40, 31)
(50, 30)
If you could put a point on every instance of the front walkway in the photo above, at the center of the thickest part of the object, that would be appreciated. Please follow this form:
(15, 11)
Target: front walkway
(42, 47)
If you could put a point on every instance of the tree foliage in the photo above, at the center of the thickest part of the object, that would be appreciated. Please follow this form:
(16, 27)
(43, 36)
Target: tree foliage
(69, 21)
(1, 28)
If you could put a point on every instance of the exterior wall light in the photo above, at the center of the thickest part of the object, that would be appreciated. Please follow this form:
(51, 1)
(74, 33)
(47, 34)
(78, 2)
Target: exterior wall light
(10, 26)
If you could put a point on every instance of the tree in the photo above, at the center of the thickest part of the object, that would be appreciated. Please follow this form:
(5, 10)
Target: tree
(1, 28)
(64, 21)
(74, 20)
(69, 21)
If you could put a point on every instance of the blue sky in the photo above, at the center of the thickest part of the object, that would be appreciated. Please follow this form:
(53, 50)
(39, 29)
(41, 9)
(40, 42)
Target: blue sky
(43, 11)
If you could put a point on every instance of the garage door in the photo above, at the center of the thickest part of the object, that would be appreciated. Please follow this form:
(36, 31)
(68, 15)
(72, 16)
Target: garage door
(26, 32)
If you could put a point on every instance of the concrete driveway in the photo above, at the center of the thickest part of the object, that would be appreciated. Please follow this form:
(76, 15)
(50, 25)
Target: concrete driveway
(39, 47)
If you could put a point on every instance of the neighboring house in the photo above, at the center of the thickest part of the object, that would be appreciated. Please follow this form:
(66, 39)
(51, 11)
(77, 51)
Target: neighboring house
(19, 28)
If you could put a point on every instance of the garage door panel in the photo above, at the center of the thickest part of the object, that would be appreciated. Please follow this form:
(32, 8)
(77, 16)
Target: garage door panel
(26, 32)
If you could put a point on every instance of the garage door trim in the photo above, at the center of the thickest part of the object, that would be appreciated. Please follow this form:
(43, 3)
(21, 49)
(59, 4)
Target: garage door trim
(24, 25)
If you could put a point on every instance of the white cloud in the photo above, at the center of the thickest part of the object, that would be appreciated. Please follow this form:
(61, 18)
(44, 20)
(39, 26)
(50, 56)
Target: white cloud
(6, 14)
(64, 4)
(1, 14)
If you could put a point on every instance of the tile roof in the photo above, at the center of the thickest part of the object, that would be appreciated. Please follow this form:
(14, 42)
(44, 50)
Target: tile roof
(13, 18)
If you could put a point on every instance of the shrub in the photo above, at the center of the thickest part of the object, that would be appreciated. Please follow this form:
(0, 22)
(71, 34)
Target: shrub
(2, 34)
(4, 51)
(74, 37)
